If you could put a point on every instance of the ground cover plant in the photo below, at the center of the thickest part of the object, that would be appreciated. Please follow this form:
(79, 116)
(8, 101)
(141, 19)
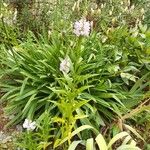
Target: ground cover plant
(77, 79)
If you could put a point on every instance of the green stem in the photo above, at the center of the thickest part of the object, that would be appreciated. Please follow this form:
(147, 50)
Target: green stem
(78, 52)
(78, 48)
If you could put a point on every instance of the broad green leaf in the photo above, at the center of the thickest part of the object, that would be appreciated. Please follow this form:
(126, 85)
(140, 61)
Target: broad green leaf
(128, 76)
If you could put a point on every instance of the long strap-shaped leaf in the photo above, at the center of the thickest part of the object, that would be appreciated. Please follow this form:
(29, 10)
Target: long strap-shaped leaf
(117, 137)
(90, 144)
(101, 142)
(84, 127)
(128, 147)
(134, 131)
(74, 145)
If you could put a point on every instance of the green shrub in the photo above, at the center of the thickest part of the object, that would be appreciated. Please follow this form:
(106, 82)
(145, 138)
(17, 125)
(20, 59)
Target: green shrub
(100, 79)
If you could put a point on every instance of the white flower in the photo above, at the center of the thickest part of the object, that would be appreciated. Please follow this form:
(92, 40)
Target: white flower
(82, 27)
(65, 65)
(29, 125)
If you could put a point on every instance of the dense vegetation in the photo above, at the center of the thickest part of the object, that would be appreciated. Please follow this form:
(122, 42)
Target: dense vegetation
(76, 75)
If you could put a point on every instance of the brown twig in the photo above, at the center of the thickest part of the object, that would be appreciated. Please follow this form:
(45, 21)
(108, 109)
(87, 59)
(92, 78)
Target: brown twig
(134, 111)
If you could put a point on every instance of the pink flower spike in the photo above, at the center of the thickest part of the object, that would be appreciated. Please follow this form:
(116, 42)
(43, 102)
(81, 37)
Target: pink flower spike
(65, 65)
(82, 27)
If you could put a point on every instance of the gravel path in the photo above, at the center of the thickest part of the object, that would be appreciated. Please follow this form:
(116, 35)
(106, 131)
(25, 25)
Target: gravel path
(7, 136)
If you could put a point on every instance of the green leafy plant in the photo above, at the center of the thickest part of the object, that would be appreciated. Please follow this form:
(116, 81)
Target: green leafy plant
(39, 139)
(99, 79)
(127, 143)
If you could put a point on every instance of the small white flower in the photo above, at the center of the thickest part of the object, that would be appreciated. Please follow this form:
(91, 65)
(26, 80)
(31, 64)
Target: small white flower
(65, 65)
(82, 27)
(29, 125)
